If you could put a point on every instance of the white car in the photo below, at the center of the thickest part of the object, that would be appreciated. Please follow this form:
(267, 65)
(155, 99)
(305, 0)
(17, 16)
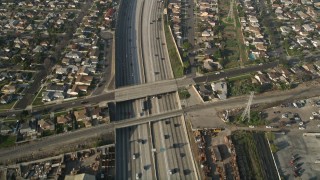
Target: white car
(268, 127)
(288, 125)
(311, 118)
(302, 128)
(301, 123)
(284, 116)
(251, 126)
(137, 175)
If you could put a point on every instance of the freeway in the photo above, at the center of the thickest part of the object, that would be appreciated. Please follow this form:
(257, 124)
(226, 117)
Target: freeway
(133, 159)
(134, 143)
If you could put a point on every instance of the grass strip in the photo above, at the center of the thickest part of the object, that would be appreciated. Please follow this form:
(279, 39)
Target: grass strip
(177, 67)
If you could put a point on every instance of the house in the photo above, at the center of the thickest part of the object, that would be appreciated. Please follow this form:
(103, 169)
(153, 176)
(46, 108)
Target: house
(73, 54)
(84, 71)
(308, 27)
(302, 15)
(221, 89)
(262, 78)
(76, 89)
(96, 113)
(6, 98)
(255, 30)
(67, 61)
(315, 43)
(261, 47)
(253, 19)
(8, 89)
(283, 79)
(273, 76)
(296, 28)
(56, 88)
(317, 65)
(285, 72)
(45, 125)
(309, 68)
(94, 53)
(285, 29)
(302, 42)
(25, 128)
(63, 119)
(278, 10)
(83, 80)
(205, 34)
(38, 49)
(61, 70)
(49, 96)
(82, 115)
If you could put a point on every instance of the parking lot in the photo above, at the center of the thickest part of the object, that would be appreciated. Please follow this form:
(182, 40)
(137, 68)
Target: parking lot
(303, 114)
(302, 150)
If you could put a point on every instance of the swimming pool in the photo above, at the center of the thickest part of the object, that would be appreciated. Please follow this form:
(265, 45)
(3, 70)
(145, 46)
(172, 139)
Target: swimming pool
(251, 56)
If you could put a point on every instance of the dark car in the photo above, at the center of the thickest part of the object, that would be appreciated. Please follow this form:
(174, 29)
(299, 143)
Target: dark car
(84, 102)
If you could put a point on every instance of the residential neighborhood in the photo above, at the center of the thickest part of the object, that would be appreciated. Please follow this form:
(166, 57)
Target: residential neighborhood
(32, 127)
(46, 35)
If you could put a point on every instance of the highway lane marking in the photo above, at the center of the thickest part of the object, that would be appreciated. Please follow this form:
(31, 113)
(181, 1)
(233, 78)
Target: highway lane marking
(164, 153)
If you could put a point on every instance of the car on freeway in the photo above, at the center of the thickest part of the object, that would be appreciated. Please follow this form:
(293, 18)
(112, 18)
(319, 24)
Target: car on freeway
(137, 175)
(172, 171)
(134, 156)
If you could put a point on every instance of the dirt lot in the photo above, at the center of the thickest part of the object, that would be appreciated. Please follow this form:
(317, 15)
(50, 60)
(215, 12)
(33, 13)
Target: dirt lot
(205, 118)
(306, 151)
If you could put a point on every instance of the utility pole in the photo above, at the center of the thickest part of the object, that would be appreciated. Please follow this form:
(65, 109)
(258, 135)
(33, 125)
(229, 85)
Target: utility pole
(246, 112)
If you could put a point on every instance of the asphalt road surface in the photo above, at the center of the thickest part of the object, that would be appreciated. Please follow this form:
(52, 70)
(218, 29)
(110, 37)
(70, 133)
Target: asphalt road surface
(134, 144)
(59, 141)
(135, 91)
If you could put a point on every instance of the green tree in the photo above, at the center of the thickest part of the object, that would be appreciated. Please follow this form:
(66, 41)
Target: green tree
(186, 45)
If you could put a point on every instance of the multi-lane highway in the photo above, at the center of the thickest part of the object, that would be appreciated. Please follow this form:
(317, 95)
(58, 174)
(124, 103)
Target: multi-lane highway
(143, 58)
